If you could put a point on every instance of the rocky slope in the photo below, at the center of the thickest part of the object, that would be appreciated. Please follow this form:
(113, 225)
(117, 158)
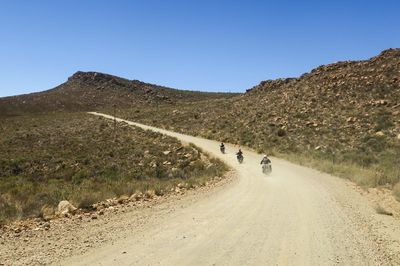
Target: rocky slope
(344, 112)
(86, 91)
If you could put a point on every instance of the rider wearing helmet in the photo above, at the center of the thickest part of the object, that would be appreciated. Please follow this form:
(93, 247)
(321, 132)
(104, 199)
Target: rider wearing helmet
(222, 147)
(265, 160)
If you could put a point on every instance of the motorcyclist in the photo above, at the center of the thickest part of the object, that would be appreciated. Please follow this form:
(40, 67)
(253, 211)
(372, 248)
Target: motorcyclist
(239, 156)
(265, 160)
(266, 164)
(222, 147)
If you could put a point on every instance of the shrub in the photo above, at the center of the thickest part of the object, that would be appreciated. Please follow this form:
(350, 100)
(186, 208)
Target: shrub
(383, 121)
(85, 199)
(66, 156)
(396, 191)
(281, 132)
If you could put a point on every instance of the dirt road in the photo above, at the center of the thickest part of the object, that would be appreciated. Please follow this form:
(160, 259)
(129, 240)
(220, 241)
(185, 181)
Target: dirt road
(295, 216)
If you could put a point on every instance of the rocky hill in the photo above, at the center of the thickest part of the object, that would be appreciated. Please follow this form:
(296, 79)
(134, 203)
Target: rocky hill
(50, 150)
(343, 112)
(339, 105)
(85, 91)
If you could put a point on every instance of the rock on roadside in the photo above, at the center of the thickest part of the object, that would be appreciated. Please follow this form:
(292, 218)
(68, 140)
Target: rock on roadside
(64, 207)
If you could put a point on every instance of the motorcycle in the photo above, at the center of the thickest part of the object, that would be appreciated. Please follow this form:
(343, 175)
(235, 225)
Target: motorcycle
(266, 168)
(222, 149)
(239, 158)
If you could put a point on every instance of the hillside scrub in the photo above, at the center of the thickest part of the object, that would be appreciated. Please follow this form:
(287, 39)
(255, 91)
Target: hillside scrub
(342, 116)
(48, 158)
(89, 91)
(373, 160)
(396, 191)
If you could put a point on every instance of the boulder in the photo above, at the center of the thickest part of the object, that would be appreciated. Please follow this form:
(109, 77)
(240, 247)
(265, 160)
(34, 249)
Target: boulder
(123, 199)
(46, 226)
(64, 208)
(136, 196)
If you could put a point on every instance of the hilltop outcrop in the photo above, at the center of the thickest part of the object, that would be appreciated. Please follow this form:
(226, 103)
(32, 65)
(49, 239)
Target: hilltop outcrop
(88, 91)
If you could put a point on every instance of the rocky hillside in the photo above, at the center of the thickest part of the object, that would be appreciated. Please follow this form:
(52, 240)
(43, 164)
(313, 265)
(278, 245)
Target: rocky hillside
(93, 91)
(78, 157)
(344, 112)
(339, 105)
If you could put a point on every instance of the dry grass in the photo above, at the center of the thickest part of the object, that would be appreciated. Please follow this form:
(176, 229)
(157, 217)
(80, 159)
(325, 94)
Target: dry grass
(332, 117)
(373, 160)
(396, 191)
(372, 176)
(48, 158)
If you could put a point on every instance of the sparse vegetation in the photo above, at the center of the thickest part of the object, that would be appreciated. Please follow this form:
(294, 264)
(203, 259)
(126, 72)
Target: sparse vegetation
(341, 118)
(89, 91)
(396, 191)
(74, 156)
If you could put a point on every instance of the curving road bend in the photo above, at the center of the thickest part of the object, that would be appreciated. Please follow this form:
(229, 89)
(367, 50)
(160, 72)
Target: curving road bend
(295, 216)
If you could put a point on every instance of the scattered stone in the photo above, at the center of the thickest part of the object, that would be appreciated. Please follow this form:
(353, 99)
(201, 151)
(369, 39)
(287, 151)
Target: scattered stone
(136, 196)
(150, 194)
(64, 207)
(111, 202)
(46, 226)
(122, 199)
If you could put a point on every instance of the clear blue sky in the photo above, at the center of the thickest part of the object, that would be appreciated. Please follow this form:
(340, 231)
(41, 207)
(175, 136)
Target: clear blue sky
(213, 45)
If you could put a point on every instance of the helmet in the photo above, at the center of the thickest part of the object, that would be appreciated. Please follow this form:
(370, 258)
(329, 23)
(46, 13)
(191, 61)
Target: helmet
(265, 156)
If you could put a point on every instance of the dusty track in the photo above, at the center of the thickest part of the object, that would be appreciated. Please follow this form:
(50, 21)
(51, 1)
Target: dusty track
(296, 216)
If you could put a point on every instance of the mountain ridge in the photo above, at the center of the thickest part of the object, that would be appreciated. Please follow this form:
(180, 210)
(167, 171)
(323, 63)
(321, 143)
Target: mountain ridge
(86, 91)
